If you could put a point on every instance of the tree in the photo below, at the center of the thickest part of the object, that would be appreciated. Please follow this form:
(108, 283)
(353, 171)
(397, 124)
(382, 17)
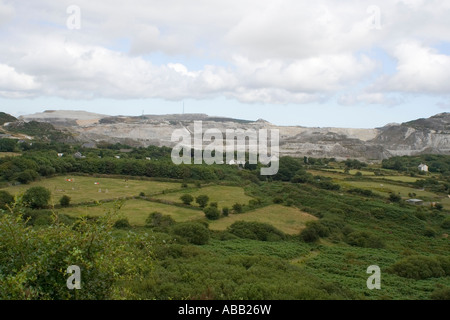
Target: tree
(237, 208)
(212, 213)
(157, 219)
(65, 201)
(225, 211)
(202, 200)
(214, 204)
(27, 176)
(37, 197)
(6, 199)
(7, 145)
(195, 233)
(187, 199)
(394, 197)
(122, 224)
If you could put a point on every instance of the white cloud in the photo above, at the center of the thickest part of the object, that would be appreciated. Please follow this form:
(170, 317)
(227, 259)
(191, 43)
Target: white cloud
(420, 69)
(263, 50)
(14, 84)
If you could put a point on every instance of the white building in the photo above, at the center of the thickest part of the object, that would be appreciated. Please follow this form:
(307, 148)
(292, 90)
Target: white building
(423, 167)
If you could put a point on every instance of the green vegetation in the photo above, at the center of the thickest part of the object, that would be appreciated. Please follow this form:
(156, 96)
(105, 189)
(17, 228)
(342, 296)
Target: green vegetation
(34, 260)
(37, 197)
(225, 196)
(195, 233)
(65, 201)
(212, 212)
(187, 199)
(202, 200)
(6, 199)
(289, 220)
(4, 118)
(255, 231)
(308, 233)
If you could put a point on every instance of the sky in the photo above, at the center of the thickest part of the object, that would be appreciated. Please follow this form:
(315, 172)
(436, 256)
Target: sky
(325, 63)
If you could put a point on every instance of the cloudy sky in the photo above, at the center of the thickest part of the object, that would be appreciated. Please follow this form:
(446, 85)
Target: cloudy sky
(349, 63)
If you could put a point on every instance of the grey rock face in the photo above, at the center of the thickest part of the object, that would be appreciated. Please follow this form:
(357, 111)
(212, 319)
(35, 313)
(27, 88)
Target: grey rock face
(421, 136)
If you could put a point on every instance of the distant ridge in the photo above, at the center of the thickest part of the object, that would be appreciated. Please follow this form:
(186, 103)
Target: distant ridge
(421, 136)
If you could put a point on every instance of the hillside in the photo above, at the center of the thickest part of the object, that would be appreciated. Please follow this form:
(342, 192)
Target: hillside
(431, 136)
(5, 118)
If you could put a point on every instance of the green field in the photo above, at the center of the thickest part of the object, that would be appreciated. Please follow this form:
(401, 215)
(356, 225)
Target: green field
(384, 188)
(225, 196)
(84, 189)
(136, 211)
(400, 178)
(287, 219)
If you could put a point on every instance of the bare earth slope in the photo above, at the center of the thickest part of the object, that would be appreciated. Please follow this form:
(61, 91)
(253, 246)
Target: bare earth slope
(430, 135)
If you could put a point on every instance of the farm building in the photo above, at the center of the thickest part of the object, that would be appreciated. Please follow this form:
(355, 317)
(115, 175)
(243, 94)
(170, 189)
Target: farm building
(423, 167)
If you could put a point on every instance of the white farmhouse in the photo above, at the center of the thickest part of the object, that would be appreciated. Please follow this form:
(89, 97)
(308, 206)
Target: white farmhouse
(423, 167)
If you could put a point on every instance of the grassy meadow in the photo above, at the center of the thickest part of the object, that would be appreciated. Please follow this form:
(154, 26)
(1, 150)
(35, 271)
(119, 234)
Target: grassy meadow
(290, 220)
(86, 189)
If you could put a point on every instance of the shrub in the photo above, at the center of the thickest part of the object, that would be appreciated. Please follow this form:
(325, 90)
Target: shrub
(156, 219)
(364, 239)
(313, 231)
(195, 233)
(184, 185)
(42, 220)
(187, 199)
(441, 294)
(122, 224)
(27, 176)
(142, 194)
(64, 201)
(418, 267)
(6, 199)
(214, 204)
(256, 231)
(363, 192)
(309, 235)
(429, 232)
(212, 213)
(289, 202)
(278, 200)
(33, 260)
(446, 224)
(439, 206)
(37, 197)
(394, 197)
(237, 208)
(202, 200)
(225, 211)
